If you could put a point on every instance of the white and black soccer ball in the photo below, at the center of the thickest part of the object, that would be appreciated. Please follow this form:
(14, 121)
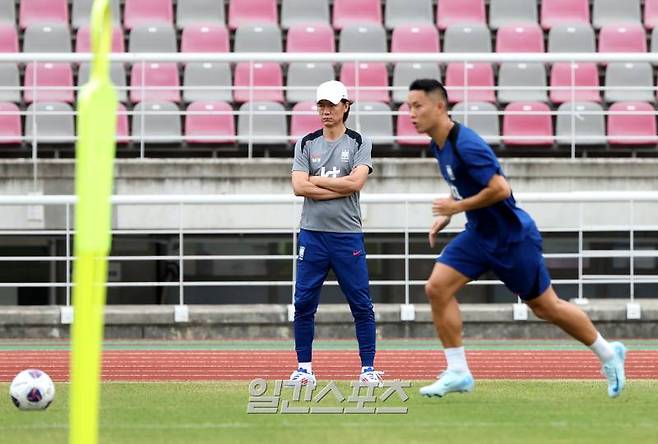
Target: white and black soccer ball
(32, 389)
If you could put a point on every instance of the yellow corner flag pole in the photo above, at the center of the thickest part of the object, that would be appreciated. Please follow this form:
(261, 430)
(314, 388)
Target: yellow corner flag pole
(96, 121)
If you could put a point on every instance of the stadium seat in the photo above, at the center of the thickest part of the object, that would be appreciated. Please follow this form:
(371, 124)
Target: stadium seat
(373, 119)
(267, 85)
(482, 117)
(252, 12)
(631, 123)
(10, 124)
(406, 132)
(152, 38)
(405, 73)
(154, 82)
(574, 37)
(467, 38)
(585, 80)
(589, 124)
(479, 84)
(48, 82)
(529, 76)
(408, 13)
(266, 126)
(50, 123)
(512, 12)
(356, 12)
(622, 38)
(310, 38)
(40, 12)
(156, 122)
(520, 38)
(81, 11)
(148, 12)
(123, 130)
(561, 12)
(10, 90)
(258, 38)
(47, 38)
(117, 74)
(205, 38)
(373, 81)
(615, 12)
(527, 124)
(207, 81)
(362, 38)
(8, 13)
(305, 119)
(415, 38)
(620, 76)
(200, 13)
(8, 38)
(304, 13)
(303, 79)
(83, 39)
(209, 122)
(453, 12)
(650, 13)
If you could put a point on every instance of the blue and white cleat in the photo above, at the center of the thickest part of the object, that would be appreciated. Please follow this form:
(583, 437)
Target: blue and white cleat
(614, 370)
(304, 377)
(449, 381)
(371, 376)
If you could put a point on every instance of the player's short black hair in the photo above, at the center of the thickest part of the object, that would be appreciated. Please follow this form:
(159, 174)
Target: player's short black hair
(429, 86)
(347, 113)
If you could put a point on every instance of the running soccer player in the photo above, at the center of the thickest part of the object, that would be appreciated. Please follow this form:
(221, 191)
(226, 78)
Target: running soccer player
(499, 237)
(330, 167)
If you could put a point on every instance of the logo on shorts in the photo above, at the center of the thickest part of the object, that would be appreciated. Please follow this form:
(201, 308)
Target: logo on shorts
(301, 252)
(356, 253)
(451, 174)
(345, 156)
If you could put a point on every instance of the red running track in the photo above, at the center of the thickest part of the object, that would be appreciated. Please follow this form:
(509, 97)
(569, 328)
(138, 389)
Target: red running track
(337, 365)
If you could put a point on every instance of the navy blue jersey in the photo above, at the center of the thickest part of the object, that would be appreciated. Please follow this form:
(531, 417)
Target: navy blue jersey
(468, 167)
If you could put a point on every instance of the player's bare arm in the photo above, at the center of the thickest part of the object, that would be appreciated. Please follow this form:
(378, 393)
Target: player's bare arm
(440, 222)
(347, 184)
(496, 190)
(302, 186)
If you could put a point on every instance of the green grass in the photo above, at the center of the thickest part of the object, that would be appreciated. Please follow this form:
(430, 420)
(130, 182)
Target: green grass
(496, 412)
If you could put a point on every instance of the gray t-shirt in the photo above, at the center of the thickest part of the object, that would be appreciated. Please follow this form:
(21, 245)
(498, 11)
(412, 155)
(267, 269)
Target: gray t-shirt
(318, 157)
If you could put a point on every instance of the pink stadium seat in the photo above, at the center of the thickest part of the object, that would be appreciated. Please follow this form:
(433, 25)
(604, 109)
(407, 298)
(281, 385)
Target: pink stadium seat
(249, 12)
(586, 75)
(148, 12)
(163, 77)
(555, 12)
(650, 13)
(356, 12)
(372, 76)
(83, 40)
(415, 38)
(451, 12)
(43, 11)
(302, 124)
(209, 122)
(8, 38)
(626, 127)
(318, 37)
(480, 83)
(530, 121)
(406, 131)
(205, 38)
(265, 75)
(629, 37)
(123, 134)
(53, 82)
(10, 124)
(520, 38)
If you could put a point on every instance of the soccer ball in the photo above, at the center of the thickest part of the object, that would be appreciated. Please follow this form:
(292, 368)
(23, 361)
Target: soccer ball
(32, 389)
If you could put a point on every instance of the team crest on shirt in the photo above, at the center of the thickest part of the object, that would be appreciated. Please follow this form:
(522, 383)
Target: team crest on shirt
(316, 159)
(345, 156)
(451, 174)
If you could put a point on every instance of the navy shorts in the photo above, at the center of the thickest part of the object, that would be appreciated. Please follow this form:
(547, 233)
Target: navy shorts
(520, 266)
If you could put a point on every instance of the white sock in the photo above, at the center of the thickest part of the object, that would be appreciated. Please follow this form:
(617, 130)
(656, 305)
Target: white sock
(456, 358)
(602, 349)
(306, 366)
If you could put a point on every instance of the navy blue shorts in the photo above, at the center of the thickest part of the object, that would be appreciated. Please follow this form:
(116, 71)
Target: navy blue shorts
(520, 266)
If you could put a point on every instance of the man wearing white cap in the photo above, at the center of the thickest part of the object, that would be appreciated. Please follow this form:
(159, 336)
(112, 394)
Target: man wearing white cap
(331, 166)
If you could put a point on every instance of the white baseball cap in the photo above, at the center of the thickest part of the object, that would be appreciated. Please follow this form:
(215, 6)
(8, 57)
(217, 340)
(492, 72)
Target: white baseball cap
(333, 91)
